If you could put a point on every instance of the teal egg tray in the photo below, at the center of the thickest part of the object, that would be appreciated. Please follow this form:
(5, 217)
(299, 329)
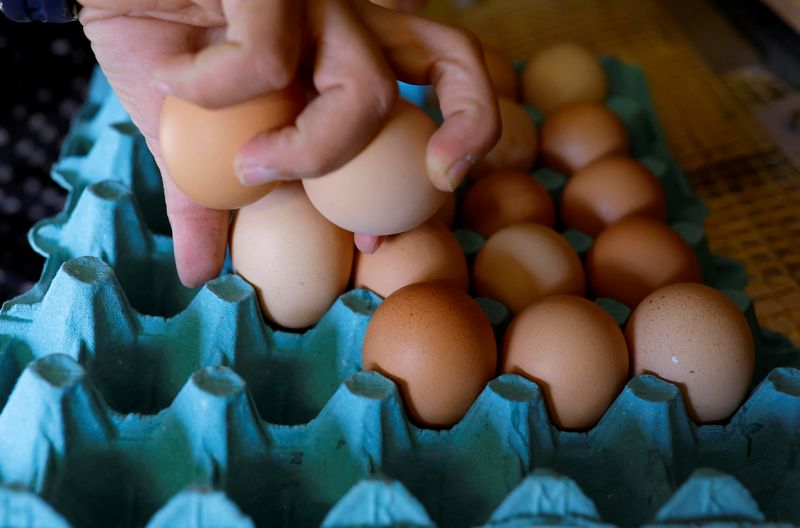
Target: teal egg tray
(128, 400)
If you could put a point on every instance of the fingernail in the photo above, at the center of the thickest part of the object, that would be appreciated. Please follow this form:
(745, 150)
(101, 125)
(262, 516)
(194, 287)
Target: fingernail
(160, 86)
(368, 244)
(256, 175)
(455, 174)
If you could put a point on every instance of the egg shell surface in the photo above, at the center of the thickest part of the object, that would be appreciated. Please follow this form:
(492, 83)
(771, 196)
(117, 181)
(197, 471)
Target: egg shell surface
(695, 337)
(576, 353)
(580, 133)
(437, 345)
(385, 189)
(525, 262)
(608, 190)
(501, 73)
(636, 256)
(199, 145)
(517, 146)
(297, 261)
(447, 212)
(503, 198)
(427, 253)
(562, 74)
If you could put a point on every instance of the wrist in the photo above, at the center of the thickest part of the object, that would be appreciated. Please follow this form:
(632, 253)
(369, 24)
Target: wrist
(40, 10)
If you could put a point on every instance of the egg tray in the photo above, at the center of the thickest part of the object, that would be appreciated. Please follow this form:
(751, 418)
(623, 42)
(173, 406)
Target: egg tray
(129, 400)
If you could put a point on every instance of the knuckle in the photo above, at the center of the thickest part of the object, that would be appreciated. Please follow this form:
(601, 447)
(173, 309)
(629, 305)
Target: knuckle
(384, 94)
(202, 94)
(274, 70)
(467, 43)
(318, 165)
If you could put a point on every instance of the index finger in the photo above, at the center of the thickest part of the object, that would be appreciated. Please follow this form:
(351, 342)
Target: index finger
(422, 51)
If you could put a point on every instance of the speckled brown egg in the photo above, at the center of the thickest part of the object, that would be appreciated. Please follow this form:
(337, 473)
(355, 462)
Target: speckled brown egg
(199, 145)
(636, 256)
(503, 198)
(580, 133)
(517, 146)
(695, 337)
(427, 253)
(525, 262)
(501, 73)
(562, 74)
(437, 345)
(297, 261)
(574, 351)
(608, 190)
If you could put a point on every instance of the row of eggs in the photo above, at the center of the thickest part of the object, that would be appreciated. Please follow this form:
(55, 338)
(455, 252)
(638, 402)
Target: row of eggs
(437, 345)
(295, 246)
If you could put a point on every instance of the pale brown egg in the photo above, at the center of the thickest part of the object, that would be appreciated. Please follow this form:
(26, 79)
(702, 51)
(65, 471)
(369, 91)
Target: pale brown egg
(580, 133)
(517, 146)
(427, 253)
(503, 198)
(608, 190)
(525, 262)
(574, 351)
(562, 74)
(199, 145)
(297, 261)
(385, 189)
(636, 256)
(437, 345)
(695, 337)
(501, 73)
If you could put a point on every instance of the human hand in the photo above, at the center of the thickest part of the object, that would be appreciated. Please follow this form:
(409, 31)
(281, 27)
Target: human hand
(220, 52)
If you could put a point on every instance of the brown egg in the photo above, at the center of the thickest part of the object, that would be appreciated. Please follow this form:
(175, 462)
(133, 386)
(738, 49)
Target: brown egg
(524, 262)
(385, 189)
(297, 261)
(427, 253)
(608, 190)
(574, 351)
(695, 337)
(501, 73)
(503, 198)
(562, 74)
(636, 256)
(447, 212)
(580, 133)
(517, 146)
(199, 145)
(437, 345)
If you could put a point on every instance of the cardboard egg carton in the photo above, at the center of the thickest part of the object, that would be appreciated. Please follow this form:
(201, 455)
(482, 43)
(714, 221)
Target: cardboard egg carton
(128, 400)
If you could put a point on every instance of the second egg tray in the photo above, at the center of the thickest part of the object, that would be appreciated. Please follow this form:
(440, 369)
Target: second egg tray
(128, 399)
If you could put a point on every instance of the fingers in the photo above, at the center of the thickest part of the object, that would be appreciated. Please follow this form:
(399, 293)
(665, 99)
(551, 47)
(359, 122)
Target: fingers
(421, 52)
(367, 243)
(355, 88)
(199, 234)
(260, 53)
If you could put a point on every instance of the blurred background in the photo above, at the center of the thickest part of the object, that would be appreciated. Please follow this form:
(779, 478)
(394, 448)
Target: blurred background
(724, 77)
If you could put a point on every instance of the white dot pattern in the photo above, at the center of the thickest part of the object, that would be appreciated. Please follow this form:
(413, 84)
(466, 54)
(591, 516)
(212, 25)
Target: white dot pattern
(51, 65)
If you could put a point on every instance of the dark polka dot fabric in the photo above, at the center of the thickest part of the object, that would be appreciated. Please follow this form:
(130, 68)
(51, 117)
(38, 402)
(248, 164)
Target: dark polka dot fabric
(45, 71)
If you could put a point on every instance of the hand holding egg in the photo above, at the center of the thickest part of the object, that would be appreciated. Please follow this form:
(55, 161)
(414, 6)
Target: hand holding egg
(215, 58)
